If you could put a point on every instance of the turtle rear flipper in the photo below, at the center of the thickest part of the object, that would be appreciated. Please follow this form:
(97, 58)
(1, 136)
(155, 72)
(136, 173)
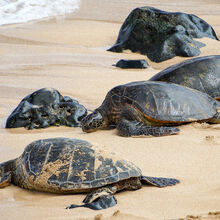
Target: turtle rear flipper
(216, 118)
(99, 199)
(159, 181)
(129, 128)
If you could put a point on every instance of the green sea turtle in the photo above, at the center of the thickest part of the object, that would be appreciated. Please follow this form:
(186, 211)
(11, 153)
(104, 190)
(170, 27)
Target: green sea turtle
(201, 73)
(62, 165)
(143, 108)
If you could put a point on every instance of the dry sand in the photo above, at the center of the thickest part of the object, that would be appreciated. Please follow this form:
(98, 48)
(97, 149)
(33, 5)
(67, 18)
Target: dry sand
(70, 55)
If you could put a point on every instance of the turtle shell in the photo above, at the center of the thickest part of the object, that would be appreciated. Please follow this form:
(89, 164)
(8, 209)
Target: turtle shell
(65, 165)
(164, 103)
(202, 73)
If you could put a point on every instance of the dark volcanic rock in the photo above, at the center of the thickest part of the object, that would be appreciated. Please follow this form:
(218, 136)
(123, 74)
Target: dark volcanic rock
(135, 64)
(201, 73)
(162, 35)
(44, 108)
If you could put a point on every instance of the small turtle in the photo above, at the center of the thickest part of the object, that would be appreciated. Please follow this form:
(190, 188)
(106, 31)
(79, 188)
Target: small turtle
(142, 108)
(201, 73)
(62, 165)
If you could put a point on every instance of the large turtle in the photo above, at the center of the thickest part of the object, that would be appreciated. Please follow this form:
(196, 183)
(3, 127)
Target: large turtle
(62, 165)
(201, 73)
(144, 107)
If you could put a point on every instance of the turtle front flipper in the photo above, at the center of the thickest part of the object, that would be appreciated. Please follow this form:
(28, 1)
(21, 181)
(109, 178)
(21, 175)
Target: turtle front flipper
(127, 128)
(158, 181)
(6, 173)
(99, 199)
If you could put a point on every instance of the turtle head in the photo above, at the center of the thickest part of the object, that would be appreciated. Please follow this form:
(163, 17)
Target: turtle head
(93, 122)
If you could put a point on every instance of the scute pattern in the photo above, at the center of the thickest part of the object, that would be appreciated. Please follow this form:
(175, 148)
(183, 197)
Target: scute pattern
(63, 165)
(166, 102)
(201, 73)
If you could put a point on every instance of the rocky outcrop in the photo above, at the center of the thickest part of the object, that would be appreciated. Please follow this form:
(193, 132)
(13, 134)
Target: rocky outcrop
(132, 64)
(44, 108)
(162, 35)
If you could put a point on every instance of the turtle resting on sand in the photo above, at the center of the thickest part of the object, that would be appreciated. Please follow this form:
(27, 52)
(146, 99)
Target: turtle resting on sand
(201, 73)
(62, 165)
(145, 107)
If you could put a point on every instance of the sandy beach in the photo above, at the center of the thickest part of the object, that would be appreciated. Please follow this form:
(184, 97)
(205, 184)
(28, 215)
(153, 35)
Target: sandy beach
(69, 54)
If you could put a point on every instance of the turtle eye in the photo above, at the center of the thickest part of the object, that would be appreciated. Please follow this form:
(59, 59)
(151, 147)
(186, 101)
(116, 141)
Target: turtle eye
(96, 123)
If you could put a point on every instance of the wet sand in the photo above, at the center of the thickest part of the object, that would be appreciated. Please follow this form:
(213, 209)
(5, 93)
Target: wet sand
(69, 54)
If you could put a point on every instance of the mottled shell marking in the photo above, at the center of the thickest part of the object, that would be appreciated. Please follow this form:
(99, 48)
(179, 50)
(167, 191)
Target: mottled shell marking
(62, 164)
(165, 102)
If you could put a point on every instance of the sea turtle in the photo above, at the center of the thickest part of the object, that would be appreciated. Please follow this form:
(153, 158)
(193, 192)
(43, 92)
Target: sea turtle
(63, 165)
(201, 73)
(140, 108)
